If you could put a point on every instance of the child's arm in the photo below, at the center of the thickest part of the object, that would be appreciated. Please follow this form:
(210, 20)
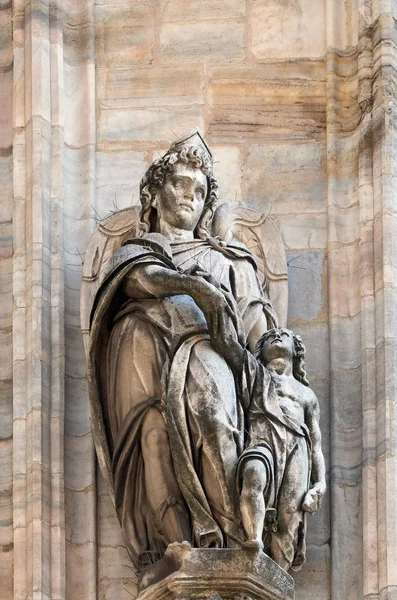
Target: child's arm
(313, 499)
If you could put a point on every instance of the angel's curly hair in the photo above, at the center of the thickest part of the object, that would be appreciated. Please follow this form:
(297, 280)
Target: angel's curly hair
(155, 177)
(298, 360)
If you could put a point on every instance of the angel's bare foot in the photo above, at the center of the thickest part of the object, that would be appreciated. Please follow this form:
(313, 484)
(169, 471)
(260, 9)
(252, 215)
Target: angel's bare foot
(253, 545)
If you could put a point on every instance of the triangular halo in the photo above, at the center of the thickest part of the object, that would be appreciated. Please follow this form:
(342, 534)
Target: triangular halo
(193, 138)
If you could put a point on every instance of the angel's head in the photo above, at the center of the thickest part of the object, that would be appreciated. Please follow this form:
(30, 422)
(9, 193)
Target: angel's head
(283, 343)
(180, 188)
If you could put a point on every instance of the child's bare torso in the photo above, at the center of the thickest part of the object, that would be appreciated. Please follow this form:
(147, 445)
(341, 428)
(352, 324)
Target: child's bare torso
(293, 397)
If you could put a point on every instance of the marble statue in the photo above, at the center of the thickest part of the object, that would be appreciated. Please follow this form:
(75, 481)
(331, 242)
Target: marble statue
(181, 430)
(281, 472)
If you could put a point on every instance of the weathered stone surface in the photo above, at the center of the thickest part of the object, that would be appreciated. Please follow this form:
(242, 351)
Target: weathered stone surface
(149, 125)
(205, 573)
(190, 10)
(125, 36)
(202, 41)
(293, 28)
(151, 86)
(119, 174)
(306, 284)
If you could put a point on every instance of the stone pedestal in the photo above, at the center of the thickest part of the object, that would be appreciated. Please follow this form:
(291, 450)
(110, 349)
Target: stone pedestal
(219, 574)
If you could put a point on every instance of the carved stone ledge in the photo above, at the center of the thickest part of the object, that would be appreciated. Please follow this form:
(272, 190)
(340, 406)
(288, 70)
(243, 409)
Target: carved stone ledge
(218, 574)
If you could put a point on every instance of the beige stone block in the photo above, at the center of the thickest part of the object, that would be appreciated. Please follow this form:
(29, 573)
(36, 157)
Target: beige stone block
(228, 169)
(77, 233)
(309, 74)
(20, 563)
(73, 274)
(387, 520)
(125, 35)
(343, 224)
(79, 39)
(80, 507)
(19, 87)
(118, 178)
(122, 589)
(79, 175)
(346, 351)
(347, 523)
(78, 452)
(347, 455)
(337, 26)
(385, 393)
(5, 37)
(344, 266)
(154, 86)
(74, 352)
(367, 259)
(190, 10)
(231, 124)
(6, 571)
(267, 86)
(79, 98)
(290, 177)
(37, 95)
(109, 530)
(6, 409)
(313, 581)
(19, 180)
(6, 177)
(150, 125)
(5, 345)
(306, 297)
(6, 481)
(114, 563)
(343, 172)
(385, 227)
(6, 100)
(385, 314)
(346, 403)
(81, 576)
(202, 41)
(303, 231)
(77, 418)
(288, 29)
(19, 499)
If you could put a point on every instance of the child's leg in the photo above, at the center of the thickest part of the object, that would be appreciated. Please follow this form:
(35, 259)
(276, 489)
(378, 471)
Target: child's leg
(252, 502)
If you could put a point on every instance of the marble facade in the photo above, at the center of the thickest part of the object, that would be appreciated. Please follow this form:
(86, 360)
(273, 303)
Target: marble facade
(298, 101)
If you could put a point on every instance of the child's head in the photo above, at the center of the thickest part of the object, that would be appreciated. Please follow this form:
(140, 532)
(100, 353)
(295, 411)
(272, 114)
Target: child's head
(283, 343)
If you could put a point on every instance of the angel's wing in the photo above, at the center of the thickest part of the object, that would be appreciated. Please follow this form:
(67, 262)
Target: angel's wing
(104, 242)
(236, 221)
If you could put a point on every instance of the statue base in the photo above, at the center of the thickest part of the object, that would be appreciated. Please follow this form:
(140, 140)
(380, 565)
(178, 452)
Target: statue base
(215, 574)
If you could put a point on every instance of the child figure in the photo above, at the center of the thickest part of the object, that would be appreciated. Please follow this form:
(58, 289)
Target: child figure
(281, 473)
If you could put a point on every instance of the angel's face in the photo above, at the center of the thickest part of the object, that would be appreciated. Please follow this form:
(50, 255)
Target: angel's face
(180, 200)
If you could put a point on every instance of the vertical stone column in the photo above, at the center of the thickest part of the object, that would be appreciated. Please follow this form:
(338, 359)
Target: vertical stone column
(32, 308)
(54, 92)
(384, 115)
(6, 533)
(362, 256)
(343, 119)
(79, 223)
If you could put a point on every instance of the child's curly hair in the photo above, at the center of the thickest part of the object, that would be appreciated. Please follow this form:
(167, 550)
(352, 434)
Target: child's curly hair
(155, 177)
(298, 361)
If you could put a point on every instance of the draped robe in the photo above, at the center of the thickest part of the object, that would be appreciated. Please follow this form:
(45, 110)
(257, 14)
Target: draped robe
(155, 353)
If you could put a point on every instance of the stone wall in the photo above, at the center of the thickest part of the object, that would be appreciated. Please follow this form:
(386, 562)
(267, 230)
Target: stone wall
(297, 101)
